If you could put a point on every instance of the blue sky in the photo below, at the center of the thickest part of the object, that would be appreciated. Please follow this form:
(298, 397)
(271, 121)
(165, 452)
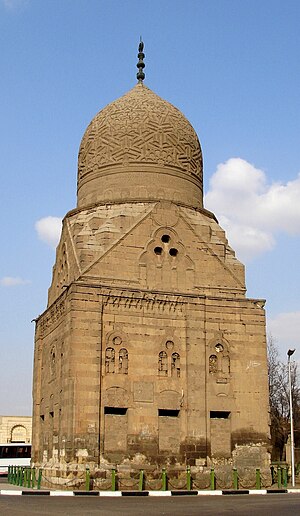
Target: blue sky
(231, 66)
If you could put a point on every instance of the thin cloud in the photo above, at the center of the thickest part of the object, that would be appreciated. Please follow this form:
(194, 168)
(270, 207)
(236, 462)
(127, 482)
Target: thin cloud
(15, 5)
(49, 230)
(251, 210)
(11, 281)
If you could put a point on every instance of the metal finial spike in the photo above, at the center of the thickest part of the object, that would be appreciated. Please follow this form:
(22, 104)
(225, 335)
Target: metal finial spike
(141, 45)
(141, 65)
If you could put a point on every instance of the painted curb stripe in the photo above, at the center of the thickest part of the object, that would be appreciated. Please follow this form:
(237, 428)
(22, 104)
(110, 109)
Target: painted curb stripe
(110, 493)
(61, 493)
(135, 493)
(8, 492)
(235, 492)
(210, 493)
(183, 493)
(276, 491)
(11, 492)
(159, 493)
(86, 493)
(36, 493)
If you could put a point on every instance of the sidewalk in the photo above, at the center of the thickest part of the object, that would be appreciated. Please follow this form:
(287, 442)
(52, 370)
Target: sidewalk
(5, 486)
(10, 489)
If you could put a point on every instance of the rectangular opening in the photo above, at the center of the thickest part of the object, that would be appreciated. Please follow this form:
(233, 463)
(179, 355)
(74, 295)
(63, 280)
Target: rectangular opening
(42, 417)
(219, 414)
(115, 411)
(51, 414)
(168, 413)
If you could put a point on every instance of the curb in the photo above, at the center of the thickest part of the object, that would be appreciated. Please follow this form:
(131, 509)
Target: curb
(226, 492)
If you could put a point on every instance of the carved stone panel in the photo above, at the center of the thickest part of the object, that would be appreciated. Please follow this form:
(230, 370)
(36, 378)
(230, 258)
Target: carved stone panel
(143, 391)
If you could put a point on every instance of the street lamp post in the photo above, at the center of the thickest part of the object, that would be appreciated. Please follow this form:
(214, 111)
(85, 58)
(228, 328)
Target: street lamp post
(290, 353)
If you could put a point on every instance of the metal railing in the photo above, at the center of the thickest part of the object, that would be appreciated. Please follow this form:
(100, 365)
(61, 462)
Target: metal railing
(34, 478)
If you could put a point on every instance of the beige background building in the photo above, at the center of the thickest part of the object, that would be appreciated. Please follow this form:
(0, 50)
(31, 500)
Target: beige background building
(149, 351)
(15, 429)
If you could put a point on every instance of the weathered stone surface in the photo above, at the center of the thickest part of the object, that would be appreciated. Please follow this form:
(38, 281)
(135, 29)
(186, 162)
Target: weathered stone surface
(132, 148)
(148, 352)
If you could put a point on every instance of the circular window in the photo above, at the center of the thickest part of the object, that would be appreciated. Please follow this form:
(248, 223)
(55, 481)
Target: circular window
(165, 239)
(158, 250)
(173, 252)
(117, 341)
(219, 348)
(169, 344)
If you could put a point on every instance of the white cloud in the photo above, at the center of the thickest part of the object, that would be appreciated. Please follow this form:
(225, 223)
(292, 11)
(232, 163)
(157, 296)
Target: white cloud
(14, 5)
(251, 210)
(248, 241)
(49, 230)
(285, 328)
(10, 281)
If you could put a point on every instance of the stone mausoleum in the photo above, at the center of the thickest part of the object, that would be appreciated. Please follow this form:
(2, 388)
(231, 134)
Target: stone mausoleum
(149, 351)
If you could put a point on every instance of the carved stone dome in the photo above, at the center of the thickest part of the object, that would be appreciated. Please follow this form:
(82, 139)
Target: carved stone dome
(140, 148)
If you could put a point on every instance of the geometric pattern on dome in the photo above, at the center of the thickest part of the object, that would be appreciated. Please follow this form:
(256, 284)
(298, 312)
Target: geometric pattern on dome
(140, 127)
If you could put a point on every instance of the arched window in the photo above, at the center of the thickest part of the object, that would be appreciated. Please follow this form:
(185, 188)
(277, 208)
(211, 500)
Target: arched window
(226, 364)
(219, 360)
(213, 364)
(123, 361)
(52, 361)
(163, 364)
(110, 360)
(175, 364)
(18, 434)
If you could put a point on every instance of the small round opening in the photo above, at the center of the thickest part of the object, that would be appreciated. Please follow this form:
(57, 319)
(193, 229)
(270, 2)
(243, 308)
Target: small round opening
(158, 250)
(173, 251)
(219, 348)
(169, 344)
(165, 239)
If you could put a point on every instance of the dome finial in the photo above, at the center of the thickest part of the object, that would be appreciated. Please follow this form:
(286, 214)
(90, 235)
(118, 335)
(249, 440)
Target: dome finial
(141, 65)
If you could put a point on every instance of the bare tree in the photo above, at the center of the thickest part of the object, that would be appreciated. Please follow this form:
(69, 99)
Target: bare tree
(279, 400)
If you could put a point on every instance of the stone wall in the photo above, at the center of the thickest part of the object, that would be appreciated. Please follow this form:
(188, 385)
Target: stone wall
(131, 381)
(15, 429)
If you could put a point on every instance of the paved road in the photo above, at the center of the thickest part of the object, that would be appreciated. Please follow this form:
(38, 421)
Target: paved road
(244, 505)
